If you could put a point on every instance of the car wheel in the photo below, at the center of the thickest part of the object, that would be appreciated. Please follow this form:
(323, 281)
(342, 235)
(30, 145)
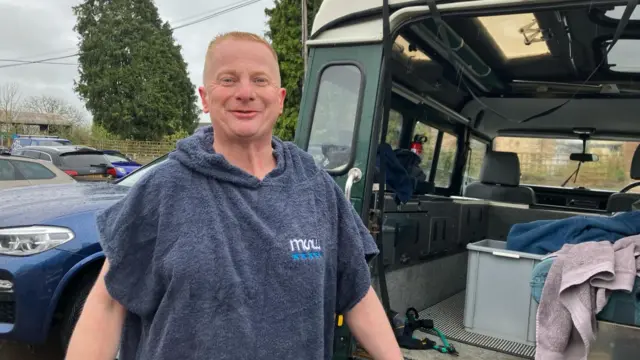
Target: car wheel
(74, 309)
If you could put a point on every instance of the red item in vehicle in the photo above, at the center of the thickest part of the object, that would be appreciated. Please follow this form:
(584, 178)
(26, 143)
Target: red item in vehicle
(416, 147)
(112, 171)
(71, 172)
(416, 144)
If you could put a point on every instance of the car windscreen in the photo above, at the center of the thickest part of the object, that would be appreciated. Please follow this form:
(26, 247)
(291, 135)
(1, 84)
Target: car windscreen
(135, 176)
(77, 160)
(116, 158)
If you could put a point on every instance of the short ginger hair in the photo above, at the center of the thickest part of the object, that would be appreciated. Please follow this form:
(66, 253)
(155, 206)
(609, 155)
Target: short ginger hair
(233, 35)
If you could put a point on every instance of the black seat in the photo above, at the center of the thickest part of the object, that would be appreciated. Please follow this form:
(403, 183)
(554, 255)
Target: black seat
(622, 201)
(500, 180)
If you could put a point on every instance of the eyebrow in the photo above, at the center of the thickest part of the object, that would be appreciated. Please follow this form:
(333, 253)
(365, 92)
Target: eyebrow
(235, 73)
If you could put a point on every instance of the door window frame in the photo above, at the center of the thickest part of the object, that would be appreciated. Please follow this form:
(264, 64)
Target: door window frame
(356, 128)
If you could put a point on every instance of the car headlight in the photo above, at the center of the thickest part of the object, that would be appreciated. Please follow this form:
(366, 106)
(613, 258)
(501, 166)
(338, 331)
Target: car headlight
(30, 240)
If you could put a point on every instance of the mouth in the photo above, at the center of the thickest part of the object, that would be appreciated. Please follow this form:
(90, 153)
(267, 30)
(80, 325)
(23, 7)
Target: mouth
(244, 113)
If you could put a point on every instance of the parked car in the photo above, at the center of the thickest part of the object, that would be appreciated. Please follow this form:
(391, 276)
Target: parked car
(122, 163)
(47, 274)
(38, 140)
(81, 163)
(17, 171)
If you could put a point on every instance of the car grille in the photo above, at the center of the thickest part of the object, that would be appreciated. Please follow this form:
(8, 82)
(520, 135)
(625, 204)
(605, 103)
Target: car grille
(7, 312)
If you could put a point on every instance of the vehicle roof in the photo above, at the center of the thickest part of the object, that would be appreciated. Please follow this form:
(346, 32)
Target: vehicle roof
(334, 21)
(61, 149)
(512, 82)
(40, 137)
(8, 156)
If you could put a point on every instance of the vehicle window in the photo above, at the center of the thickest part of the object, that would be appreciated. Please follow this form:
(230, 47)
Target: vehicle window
(82, 160)
(428, 148)
(33, 171)
(546, 162)
(32, 154)
(53, 142)
(477, 151)
(45, 156)
(135, 176)
(334, 116)
(394, 130)
(7, 172)
(21, 142)
(446, 161)
(116, 157)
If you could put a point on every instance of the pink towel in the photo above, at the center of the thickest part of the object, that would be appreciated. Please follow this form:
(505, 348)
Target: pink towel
(577, 287)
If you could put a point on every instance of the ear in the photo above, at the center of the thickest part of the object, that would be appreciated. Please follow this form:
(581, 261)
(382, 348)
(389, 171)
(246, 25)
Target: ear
(203, 98)
(282, 94)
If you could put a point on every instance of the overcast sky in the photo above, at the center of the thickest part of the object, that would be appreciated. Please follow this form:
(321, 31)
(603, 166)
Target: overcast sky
(38, 29)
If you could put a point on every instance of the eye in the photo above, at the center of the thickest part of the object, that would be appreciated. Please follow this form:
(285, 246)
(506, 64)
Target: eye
(227, 80)
(261, 81)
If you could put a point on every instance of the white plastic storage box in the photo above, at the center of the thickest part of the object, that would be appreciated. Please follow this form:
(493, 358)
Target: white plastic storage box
(498, 299)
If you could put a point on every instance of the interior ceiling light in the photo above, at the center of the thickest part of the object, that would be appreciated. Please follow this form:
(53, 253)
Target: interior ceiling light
(409, 50)
(513, 35)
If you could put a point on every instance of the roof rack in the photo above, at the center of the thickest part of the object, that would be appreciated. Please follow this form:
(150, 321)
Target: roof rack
(38, 136)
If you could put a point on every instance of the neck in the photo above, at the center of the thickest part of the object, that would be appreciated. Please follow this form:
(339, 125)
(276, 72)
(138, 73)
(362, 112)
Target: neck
(253, 156)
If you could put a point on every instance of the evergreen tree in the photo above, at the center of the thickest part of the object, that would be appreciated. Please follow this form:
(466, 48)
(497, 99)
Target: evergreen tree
(285, 33)
(132, 75)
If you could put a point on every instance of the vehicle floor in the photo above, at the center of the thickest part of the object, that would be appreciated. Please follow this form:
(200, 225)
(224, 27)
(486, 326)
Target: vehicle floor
(465, 352)
(448, 317)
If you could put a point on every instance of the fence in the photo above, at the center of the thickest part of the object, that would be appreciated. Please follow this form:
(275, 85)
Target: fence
(140, 151)
(611, 171)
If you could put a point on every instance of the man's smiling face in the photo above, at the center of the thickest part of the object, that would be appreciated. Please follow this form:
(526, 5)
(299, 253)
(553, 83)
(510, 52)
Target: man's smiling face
(242, 91)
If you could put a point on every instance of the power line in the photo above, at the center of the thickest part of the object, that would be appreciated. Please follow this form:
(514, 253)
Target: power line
(48, 53)
(43, 62)
(233, 7)
(204, 13)
(38, 61)
(215, 13)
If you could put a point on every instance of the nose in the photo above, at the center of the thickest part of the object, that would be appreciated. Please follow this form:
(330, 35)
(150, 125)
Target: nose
(245, 91)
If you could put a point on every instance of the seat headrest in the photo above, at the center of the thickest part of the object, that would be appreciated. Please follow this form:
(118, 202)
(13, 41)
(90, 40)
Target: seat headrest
(635, 165)
(502, 168)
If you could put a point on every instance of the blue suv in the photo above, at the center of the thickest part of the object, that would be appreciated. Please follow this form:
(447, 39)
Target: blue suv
(37, 140)
(50, 255)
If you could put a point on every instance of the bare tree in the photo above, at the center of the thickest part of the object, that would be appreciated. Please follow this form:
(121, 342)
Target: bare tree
(55, 106)
(10, 103)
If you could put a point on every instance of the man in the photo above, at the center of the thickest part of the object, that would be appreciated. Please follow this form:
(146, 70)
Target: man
(236, 247)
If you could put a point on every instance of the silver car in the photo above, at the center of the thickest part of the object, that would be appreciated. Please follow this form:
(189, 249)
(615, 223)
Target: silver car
(18, 171)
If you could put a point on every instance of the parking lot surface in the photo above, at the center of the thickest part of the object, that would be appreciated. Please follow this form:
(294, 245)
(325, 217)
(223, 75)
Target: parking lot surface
(14, 351)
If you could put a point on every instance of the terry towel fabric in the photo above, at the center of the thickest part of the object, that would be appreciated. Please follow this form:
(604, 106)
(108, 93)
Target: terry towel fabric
(577, 287)
(547, 236)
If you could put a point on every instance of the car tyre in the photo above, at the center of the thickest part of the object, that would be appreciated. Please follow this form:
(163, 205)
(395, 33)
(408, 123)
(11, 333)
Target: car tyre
(74, 307)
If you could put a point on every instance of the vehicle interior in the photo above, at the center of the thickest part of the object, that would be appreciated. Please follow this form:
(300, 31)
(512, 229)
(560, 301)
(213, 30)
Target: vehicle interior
(522, 116)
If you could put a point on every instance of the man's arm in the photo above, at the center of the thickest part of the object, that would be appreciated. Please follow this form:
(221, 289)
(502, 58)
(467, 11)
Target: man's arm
(97, 332)
(370, 326)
